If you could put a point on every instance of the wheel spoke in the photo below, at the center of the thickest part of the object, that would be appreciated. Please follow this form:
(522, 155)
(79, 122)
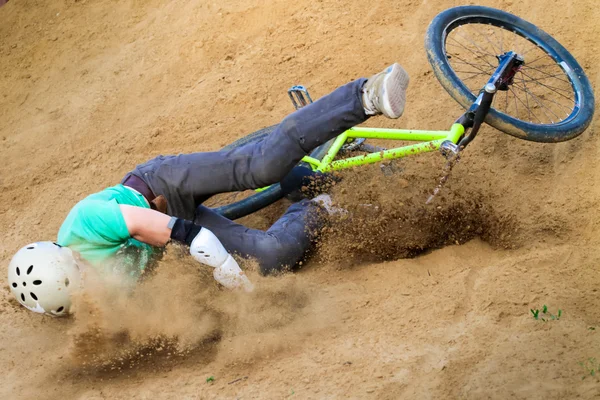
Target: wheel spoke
(527, 100)
(540, 101)
(546, 77)
(536, 99)
(525, 105)
(472, 77)
(531, 49)
(548, 100)
(466, 62)
(474, 44)
(543, 65)
(489, 41)
(537, 59)
(515, 96)
(466, 48)
(549, 87)
(546, 73)
(568, 91)
(471, 72)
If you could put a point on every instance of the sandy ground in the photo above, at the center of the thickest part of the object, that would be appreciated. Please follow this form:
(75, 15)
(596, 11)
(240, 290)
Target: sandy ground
(89, 88)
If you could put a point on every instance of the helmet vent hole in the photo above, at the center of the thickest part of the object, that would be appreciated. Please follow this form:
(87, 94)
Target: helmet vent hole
(206, 255)
(14, 284)
(60, 309)
(18, 272)
(201, 252)
(67, 282)
(33, 296)
(37, 282)
(23, 297)
(29, 269)
(58, 245)
(24, 284)
(30, 247)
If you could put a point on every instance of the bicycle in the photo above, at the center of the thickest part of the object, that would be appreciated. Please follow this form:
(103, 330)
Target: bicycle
(475, 74)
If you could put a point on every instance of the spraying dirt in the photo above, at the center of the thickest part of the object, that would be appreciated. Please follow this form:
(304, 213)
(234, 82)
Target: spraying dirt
(399, 300)
(386, 217)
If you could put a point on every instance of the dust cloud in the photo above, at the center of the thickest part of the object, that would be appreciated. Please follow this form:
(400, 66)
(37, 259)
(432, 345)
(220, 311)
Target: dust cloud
(177, 308)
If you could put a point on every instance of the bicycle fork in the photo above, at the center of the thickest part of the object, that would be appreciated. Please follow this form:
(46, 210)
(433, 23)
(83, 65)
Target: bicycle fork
(501, 79)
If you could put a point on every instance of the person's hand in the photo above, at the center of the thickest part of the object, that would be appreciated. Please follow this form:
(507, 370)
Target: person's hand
(302, 182)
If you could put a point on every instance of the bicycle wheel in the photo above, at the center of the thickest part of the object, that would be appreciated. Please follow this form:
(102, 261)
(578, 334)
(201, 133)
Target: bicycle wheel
(550, 99)
(267, 197)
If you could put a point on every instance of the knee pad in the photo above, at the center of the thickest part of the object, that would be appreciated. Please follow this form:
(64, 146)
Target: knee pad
(207, 249)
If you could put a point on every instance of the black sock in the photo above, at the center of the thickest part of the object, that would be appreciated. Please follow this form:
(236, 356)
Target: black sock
(184, 231)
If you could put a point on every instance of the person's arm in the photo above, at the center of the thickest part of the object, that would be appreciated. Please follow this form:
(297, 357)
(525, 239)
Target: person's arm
(155, 228)
(146, 225)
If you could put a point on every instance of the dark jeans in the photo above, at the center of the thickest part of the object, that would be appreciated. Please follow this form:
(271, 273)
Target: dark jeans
(186, 180)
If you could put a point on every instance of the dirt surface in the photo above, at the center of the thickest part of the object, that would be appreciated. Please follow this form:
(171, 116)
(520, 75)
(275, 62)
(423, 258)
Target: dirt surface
(90, 88)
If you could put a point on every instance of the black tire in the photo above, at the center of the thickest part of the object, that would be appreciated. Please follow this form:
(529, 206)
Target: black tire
(583, 103)
(267, 197)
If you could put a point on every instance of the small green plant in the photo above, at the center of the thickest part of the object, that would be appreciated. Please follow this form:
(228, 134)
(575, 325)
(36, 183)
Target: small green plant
(591, 367)
(545, 315)
(210, 379)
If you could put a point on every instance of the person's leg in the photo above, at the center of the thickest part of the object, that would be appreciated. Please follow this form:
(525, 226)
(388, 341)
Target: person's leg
(268, 161)
(276, 250)
(187, 180)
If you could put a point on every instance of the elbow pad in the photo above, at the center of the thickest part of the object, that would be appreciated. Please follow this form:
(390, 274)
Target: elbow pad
(207, 249)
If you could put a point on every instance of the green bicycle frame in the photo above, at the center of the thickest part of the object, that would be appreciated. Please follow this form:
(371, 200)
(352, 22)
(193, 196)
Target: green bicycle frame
(428, 141)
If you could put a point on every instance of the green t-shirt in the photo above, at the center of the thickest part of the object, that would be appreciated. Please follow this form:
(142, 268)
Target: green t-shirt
(95, 228)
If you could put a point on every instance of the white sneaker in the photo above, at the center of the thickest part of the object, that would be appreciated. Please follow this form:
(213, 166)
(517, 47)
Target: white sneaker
(385, 92)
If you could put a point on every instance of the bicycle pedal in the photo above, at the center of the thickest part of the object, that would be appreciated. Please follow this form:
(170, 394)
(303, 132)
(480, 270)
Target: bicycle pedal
(299, 96)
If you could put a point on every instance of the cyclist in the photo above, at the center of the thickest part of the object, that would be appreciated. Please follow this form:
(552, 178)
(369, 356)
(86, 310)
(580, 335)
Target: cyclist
(121, 227)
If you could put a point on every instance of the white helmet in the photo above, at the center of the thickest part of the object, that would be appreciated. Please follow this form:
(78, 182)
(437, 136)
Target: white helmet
(42, 276)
